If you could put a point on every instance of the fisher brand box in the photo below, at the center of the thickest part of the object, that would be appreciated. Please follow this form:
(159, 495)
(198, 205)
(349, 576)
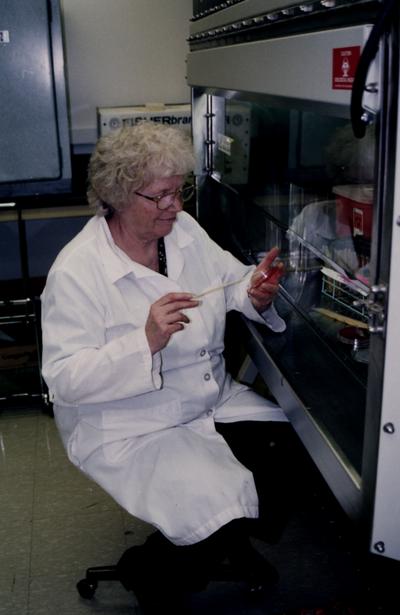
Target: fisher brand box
(110, 119)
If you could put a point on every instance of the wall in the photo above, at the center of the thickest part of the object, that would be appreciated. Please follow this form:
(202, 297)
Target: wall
(117, 52)
(123, 53)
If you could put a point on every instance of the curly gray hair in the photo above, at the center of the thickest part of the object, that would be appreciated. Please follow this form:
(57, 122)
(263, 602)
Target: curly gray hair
(131, 158)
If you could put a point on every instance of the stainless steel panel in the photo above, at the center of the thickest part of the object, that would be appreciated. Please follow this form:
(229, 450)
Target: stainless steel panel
(242, 10)
(385, 538)
(298, 67)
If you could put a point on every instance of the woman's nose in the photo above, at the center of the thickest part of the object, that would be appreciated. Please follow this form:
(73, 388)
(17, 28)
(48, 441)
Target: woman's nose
(176, 202)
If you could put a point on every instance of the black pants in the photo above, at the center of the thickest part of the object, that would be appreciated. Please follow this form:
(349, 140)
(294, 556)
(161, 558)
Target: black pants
(270, 450)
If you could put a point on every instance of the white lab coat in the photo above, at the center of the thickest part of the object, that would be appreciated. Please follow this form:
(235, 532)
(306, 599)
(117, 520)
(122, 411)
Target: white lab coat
(142, 426)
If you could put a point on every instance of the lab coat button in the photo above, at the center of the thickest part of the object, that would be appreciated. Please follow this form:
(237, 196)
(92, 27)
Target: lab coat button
(202, 352)
(209, 412)
(207, 376)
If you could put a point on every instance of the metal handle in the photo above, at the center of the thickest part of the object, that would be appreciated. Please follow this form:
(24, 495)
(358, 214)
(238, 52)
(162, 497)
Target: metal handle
(375, 305)
(359, 117)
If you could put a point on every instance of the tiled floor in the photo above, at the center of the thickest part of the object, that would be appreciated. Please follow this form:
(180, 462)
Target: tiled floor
(54, 523)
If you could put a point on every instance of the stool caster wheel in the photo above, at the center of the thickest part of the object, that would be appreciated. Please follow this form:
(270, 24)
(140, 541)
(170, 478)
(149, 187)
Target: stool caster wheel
(256, 591)
(86, 589)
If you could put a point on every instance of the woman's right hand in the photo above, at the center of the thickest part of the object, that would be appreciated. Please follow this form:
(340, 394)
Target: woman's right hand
(166, 318)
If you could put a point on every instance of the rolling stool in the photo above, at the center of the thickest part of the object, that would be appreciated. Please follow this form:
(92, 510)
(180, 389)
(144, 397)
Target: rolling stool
(246, 564)
(237, 570)
(87, 586)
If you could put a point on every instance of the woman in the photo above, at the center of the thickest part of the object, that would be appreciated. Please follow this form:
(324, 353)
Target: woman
(132, 351)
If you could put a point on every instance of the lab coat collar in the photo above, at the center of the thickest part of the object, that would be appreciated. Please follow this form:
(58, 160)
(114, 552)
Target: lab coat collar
(117, 264)
(175, 242)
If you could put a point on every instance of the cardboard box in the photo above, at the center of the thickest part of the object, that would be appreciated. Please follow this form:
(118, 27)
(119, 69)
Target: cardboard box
(110, 119)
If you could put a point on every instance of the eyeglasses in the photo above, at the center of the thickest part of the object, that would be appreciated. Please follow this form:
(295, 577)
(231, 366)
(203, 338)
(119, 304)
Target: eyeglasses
(163, 201)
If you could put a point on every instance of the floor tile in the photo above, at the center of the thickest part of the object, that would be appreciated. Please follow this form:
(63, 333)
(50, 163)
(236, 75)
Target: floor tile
(74, 542)
(16, 497)
(20, 419)
(18, 444)
(21, 412)
(14, 593)
(66, 490)
(15, 541)
(50, 452)
(57, 594)
(223, 599)
(135, 530)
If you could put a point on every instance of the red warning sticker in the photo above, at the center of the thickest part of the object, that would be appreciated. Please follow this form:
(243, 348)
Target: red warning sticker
(344, 64)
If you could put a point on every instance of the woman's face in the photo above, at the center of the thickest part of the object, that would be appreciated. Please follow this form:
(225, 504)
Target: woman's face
(143, 216)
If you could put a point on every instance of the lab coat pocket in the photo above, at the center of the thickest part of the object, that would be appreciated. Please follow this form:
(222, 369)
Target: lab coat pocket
(84, 440)
(123, 423)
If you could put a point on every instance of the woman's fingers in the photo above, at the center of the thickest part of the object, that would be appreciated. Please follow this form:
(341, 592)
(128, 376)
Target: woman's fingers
(166, 318)
(264, 280)
(268, 259)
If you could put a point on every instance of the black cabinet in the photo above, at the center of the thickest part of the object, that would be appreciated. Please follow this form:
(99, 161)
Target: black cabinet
(34, 130)
(30, 239)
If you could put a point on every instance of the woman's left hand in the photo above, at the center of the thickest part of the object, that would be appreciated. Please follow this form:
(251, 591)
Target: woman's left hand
(264, 283)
